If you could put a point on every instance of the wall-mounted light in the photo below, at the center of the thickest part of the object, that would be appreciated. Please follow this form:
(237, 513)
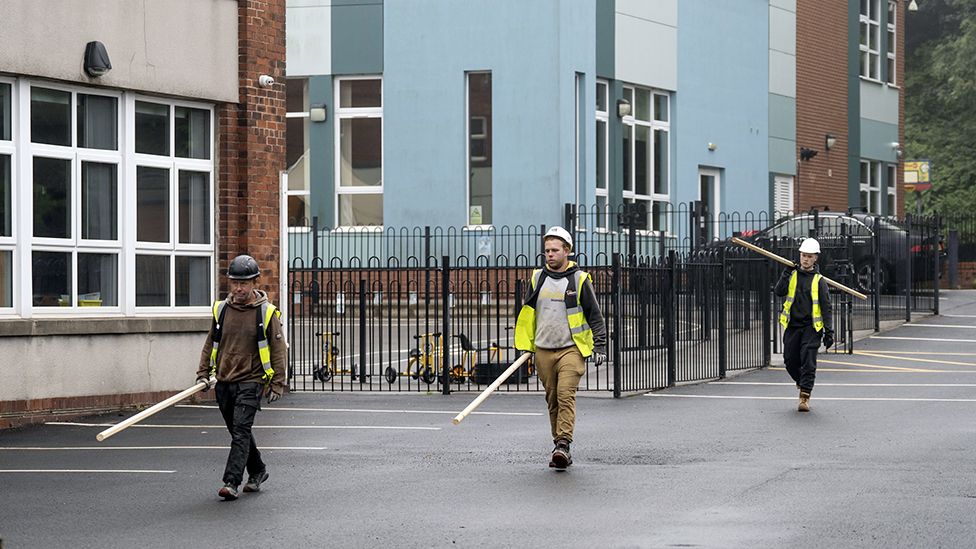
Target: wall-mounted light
(317, 113)
(712, 146)
(807, 154)
(896, 146)
(623, 108)
(913, 6)
(97, 62)
(829, 141)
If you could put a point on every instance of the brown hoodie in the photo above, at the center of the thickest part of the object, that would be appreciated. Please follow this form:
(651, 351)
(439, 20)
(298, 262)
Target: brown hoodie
(238, 360)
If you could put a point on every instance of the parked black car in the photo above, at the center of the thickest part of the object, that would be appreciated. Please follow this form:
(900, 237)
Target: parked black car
(847, 242)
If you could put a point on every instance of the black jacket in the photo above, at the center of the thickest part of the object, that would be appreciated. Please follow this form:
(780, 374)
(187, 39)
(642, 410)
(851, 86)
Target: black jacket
(801, 313)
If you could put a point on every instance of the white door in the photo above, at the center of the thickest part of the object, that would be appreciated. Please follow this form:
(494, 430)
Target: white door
(709, 194)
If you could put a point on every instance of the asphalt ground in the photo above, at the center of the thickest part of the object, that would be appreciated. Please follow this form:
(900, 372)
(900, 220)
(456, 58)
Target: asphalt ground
(882, 460)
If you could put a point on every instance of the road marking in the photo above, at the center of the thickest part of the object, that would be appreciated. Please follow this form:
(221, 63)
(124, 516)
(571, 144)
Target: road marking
(821, 384)
(875, 366)
(371, 411)
(959, 316)
(865, 399)
(926, 339)
(43, 448)
(158, 426)
(913, 353)
(918, 325)
(132, 471)
(885, 355)
(895, 371)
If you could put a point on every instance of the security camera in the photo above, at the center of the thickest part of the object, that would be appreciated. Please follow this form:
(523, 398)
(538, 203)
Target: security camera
(265, 81)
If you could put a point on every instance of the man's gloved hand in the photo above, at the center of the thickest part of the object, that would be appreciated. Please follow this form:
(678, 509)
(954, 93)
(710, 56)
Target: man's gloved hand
(828, 339)
(273, 395)
(205, 380)
(599, 357)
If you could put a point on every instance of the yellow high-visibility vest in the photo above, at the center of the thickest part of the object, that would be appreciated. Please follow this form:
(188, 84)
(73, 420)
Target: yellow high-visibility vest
(264, 352)
(525, 325)
(784, 317)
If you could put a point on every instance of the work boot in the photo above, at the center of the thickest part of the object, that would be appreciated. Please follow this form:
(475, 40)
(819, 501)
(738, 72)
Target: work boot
(228, 492)
(561, 458)
(253, 483)
(804, 402)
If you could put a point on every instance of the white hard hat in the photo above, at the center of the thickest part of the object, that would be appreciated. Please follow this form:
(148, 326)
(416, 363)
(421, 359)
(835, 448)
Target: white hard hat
(810, 246)
(561, 234)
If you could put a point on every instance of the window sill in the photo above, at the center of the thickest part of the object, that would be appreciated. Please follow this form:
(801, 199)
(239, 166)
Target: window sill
(101, 326)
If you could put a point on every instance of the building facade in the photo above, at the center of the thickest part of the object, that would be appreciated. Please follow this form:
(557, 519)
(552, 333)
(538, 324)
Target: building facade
(133, 166)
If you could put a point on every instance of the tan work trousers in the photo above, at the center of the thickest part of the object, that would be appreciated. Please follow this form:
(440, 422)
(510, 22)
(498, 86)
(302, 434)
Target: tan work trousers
(560, 371)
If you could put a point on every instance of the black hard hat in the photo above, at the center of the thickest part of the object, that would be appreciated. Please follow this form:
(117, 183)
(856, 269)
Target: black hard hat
(243, 267)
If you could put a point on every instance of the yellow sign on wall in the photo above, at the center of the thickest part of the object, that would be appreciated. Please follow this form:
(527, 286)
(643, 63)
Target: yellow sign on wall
(917, 176)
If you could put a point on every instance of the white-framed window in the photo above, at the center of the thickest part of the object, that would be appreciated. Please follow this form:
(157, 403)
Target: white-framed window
(359, 151)
(870, 183)
(782, 196)
(602, 153)
(870, 39)
(890, 44)
(891, 182)
(479, 143)
(298, 193)
(94, 182)
(8, 223)
(646, 146)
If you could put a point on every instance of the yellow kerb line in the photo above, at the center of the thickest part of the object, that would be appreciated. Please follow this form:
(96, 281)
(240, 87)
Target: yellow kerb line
(885, 355)
(877, 367)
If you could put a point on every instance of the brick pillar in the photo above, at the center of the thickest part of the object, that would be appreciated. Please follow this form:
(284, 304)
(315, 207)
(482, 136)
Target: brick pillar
(252, 147)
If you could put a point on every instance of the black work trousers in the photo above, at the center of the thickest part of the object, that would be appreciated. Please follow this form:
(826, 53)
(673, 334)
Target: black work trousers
(800, 346)
(239, 402)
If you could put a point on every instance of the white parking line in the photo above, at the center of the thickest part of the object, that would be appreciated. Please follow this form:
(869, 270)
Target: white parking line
(46, 448)
(158, 426)
(132, 471)
(856, 399)
(371, 411)
(822, 384)
(919, 325)
(926, 339)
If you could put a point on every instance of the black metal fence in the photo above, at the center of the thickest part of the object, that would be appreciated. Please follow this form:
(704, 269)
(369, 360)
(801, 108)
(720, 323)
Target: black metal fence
(433, 309)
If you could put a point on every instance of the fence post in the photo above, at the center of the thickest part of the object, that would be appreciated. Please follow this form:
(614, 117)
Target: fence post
(767, 316)
(953, 266)
(669, 325)
(723, 327)
(876, 274)
(617, 321)
(315, 237)
(936, 252)
(908, 267)
(362, 330)
(446, 324)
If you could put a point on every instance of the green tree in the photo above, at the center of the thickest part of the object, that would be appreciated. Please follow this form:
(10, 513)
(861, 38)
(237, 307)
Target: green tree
(940, 101)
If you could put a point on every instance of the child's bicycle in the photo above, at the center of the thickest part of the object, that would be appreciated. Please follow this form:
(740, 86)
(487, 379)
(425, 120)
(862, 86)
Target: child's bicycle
(330, 353)
(422, 361)
(469, 358)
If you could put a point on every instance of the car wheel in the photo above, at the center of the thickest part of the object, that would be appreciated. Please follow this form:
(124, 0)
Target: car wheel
(864, 274)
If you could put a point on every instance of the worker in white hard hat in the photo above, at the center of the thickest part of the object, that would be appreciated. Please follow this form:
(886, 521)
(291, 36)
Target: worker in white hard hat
(562, 324)
(806, 319)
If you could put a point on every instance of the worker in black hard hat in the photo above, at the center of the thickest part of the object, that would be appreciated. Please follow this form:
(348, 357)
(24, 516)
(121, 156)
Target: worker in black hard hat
(246, 353)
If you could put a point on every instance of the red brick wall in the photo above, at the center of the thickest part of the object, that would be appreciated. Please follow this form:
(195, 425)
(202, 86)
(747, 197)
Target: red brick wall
(821, 103)
(251, 144)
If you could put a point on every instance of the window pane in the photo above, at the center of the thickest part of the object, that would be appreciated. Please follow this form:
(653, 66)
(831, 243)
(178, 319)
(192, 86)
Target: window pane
(361, 152)
(479, 147)
(601, 97)
(601, 154)
(627, 135)
(642, 158)
(52, 197)
(50, 116)
(192, 281)
(6, 278)
(601, 212)
(360, 93)
(891, 205)
(298, 213)
(5, 120)
(658, 216)
(99, 201)
(152, 281)
(864, 200)
(296, 129)
(51, 275)
(152, 204)
(6, 208)
(192, 133)
(629, 96)
(98, 280)
(360, 209)
(661, 161)
(642, 110)
(98, 125)
(152, 128)
(194, 207)
(661, 107)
